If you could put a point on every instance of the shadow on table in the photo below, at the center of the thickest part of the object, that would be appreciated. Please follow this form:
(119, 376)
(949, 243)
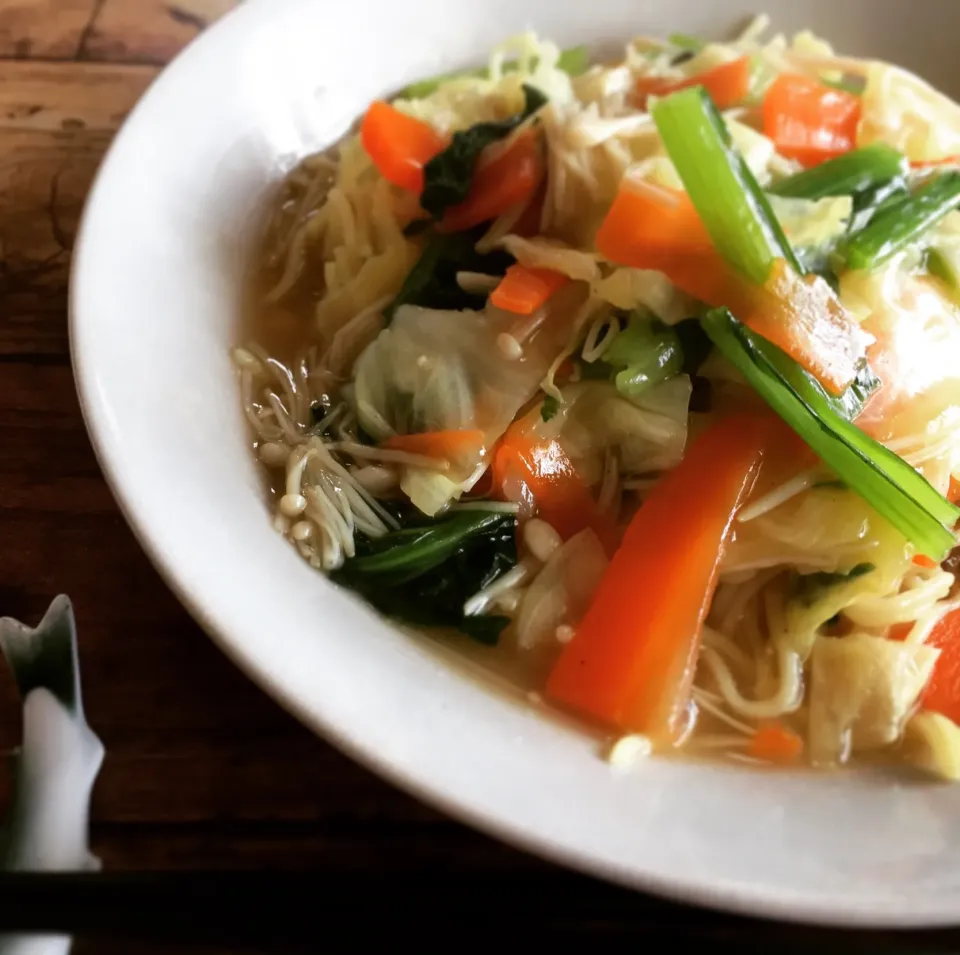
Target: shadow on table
(277, 912)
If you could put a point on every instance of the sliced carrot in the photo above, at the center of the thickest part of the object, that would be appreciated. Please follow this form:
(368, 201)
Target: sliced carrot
(457, 447)
(803, 316)
(659, 229)
(921, 560)
(647, 221)
(524, 290)
(399, 145)
(899, 631)
(505, 181)
(775, 744)
(943, 691)
(532, 470)
(727, 84)
(632, 660)
(809, 121)
(953, 493)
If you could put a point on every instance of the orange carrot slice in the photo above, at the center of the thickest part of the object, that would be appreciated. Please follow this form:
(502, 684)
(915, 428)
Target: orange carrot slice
(646, 221)
(808, 121)
(727, 84)
(524, 290)
(499, 184)
(943, 691)
(631, 663)
(399, 145)
(529, 469)
(457, 447)
(775, 744)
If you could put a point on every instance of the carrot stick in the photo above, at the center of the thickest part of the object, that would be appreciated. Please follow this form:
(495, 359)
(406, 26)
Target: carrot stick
(499, 184)
(943, 691)
(647, 220)
(727, 84)
(527, 468)
(399, 145)
(953, 493)
(631, 663)
(453, 446)
(775, 744)
(524, 290)
(808, 121)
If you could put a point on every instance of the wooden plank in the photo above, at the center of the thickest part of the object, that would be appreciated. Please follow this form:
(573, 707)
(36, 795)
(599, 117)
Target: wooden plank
(56, 121)
(69, 97)
(48, 29)
(150, 31)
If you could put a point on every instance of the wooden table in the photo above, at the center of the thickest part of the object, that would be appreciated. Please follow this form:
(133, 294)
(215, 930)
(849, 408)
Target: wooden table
(203, 772)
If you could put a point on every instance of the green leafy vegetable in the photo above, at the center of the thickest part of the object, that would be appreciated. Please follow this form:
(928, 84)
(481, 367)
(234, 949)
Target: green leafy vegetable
(882, 479)
(447, 177)
(851, 174)
(432, 282)
(896, 226)
(646, 353)
(572, 61)
(684, 41)
(809, 588)
(849, 84)
(423, 574)
(873, 201)
(943, 267)
(725, 193)
(549, 408)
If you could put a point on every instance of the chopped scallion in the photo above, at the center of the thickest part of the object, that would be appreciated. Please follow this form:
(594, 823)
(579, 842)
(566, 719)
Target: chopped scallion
(724, 192)
(851, 174)
(684, 41)
(895, 227)
(879, 476)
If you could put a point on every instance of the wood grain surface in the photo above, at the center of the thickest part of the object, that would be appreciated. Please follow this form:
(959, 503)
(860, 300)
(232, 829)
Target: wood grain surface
(203, 772)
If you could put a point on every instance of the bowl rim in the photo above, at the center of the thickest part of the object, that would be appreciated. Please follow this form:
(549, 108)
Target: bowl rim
(756, 902)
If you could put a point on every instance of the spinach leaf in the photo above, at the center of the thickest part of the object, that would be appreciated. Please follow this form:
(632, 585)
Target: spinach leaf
(432, 282)
(424, 573)
(447, 177)
(548, 408)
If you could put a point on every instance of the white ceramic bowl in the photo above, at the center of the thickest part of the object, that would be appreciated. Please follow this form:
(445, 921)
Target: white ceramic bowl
(157, 282)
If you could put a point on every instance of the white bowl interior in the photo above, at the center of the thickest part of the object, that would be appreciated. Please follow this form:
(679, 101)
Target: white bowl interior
(156, 296)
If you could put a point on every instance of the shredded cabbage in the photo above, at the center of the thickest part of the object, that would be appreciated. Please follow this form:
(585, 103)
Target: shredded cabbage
(862, 690)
